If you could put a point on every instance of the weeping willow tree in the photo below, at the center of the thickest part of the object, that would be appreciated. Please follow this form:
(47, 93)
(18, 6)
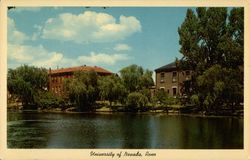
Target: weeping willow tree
(82, 90)
(26, 82)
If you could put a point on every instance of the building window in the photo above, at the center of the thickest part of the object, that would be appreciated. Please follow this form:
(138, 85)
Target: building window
(174, 92)
(162, 88)
(174, 77)
(162, 77)
(168, 91)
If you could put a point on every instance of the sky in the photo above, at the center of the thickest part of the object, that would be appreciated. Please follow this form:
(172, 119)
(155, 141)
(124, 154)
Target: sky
(112, 37)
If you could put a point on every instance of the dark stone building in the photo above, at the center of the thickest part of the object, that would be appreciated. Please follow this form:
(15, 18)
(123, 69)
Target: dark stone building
(170, 79)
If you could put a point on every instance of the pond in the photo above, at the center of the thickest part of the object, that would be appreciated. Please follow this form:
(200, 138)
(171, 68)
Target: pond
(122, 130)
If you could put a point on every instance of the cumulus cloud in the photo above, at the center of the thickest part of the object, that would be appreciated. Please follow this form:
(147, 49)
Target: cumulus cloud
(19, 53)
(34, 55)
(122, 47)
(22, 53)
(90, 27)
(95, 58)
(50, 60)
(14, 35)
(39, 56)
(36, 34)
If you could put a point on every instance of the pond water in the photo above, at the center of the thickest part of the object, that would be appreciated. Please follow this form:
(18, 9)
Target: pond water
(122, 130)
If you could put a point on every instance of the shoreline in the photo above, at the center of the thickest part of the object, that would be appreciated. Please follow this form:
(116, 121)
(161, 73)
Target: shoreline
(158, 112)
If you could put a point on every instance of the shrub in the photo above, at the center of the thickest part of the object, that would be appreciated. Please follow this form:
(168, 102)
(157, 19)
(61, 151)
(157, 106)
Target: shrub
(136, 101)
(47, 99)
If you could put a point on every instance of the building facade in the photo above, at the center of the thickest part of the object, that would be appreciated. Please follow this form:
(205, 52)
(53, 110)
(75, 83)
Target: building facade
(170, 79)
(57, 76)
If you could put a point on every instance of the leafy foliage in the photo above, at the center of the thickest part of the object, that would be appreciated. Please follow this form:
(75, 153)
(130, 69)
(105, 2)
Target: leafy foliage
(212, 46)
(136, 101)
(163, 99)
(137, 82)
(26, 81)
(160, 97)
(29, 84)
(46, 99)
(83, 90)
(112, 89)
(135, 78)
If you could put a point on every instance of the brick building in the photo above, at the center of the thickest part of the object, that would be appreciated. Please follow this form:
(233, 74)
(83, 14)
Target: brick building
(170, 79)
(57, 76)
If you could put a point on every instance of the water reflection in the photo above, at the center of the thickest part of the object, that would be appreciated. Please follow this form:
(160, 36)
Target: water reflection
(48, 130)
(135, 131)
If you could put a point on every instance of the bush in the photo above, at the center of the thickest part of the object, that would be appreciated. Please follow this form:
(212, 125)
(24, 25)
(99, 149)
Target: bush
(162, 99)
(136, 101)
(47, 99)
(195, 99)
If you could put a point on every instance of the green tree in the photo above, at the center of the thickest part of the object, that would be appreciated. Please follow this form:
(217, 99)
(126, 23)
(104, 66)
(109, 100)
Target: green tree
(82, 89)
(219, 86)
(163, 99)
(26, 81)
(46, 99)
(136, 101)
(210, 37)
(160, 97)
(112, 89)
(135, 78)
(211, 42)
(211, 84)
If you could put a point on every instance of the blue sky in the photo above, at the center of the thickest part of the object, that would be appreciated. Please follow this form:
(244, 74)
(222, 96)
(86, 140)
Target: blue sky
(112, 38)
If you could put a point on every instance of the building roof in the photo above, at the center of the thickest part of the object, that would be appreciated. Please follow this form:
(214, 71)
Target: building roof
(167, 67)
(80, 68)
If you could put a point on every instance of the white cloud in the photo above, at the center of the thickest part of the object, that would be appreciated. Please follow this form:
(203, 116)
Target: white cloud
(90, 27)
(35, 55)
(103, 58)
(36, 34)
(41, 57)
(15, 36)
(50, 60)
(20, 53)
(122, 47)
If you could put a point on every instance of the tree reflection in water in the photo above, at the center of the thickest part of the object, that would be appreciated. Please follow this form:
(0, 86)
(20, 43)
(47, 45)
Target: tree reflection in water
(122, 130)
